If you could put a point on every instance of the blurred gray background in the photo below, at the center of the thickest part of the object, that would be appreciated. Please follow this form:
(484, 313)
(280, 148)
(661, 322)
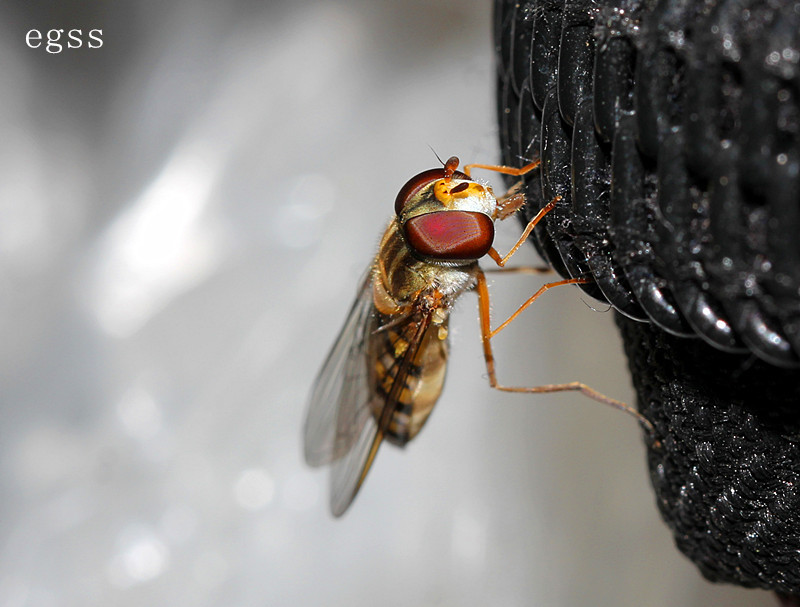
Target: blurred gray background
(184, 217)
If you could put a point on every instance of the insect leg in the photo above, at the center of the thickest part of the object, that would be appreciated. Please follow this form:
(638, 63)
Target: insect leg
(513, 199)
(520, 270)
(530, 300)
(486, 338)
(499, 168)
(501, 261)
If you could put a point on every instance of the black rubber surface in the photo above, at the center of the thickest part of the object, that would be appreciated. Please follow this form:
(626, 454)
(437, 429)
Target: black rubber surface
(671, 131)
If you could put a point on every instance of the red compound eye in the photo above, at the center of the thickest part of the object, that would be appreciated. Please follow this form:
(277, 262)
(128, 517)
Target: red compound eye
(450, 235)
(417, 182)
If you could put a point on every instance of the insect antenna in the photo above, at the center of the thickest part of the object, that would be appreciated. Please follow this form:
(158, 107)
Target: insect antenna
(439, 158)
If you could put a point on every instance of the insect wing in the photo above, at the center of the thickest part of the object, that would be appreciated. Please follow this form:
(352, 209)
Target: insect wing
(348, 472)
(360, 430)
(342, 383)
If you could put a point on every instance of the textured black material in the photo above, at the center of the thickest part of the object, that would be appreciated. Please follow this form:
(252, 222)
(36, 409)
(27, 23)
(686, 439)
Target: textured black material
(722, 476)
(671, 131)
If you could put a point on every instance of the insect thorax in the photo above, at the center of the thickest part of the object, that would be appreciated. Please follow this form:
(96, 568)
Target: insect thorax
(399, 277)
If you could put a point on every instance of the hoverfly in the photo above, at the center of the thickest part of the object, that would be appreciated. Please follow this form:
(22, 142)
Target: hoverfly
(386, 369)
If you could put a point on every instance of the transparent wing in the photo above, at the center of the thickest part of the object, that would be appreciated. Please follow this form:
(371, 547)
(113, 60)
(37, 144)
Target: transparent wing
(342, 381)
(348, 472)
(363, 433)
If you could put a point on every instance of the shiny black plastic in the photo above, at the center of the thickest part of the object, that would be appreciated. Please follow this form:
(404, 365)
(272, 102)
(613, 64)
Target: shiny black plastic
(674, 128)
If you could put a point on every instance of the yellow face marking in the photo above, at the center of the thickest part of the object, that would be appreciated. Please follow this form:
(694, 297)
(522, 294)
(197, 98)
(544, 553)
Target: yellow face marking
(444, 191)
(442, 333)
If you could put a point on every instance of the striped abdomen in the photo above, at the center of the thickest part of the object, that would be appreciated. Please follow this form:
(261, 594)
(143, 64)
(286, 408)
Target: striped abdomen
(422, 377)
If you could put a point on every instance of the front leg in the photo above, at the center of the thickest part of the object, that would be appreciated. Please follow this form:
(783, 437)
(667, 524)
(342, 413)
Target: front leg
(501, 261)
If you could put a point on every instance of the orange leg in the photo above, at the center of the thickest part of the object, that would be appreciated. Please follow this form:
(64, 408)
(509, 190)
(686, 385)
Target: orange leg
(513, 199)
(511, 202)
(532, 298)
(520, 270)
(501, 261)
(499, 168)
(487, 334)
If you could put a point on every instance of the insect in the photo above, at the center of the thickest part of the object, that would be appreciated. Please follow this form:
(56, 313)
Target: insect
(386, 369)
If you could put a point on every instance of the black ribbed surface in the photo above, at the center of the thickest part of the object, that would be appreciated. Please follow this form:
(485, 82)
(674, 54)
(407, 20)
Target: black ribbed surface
(671, 131)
